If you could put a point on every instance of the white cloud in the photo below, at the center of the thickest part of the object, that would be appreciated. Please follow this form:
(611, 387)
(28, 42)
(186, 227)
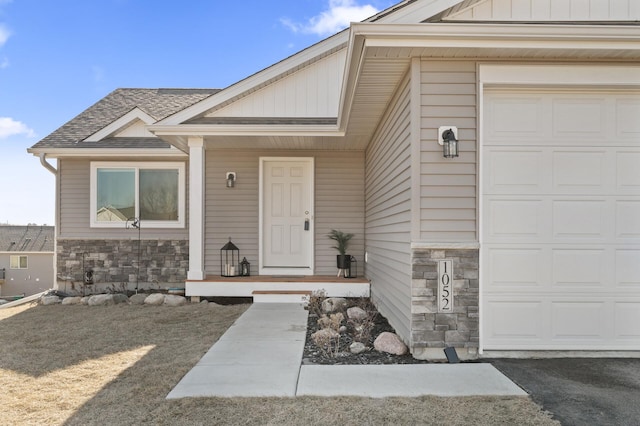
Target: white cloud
(11, 127)
(4, 34)
(338, 17)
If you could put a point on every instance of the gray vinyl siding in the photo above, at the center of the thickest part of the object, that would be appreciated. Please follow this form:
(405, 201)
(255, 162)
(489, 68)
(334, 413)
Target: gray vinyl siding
(74, 214)
(448, 186)
(234, 212)
(388, 213)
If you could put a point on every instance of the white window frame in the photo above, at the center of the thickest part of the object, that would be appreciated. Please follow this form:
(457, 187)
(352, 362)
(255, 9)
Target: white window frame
(19, 256)
(180, 166)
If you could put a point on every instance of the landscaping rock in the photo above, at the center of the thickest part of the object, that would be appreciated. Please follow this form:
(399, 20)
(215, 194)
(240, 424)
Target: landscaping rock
(357, 348)
(156, 299)
(120, 298)
(85, 300)
(101, 300)
(49, 300)
(390, 343)
(74, 300)
(342, 329)
(174, 300)
(356, 313)
(138, 299)
(333, 304)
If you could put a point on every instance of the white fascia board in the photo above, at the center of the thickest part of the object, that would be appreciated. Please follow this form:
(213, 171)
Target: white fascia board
(499, 36)
(254, 81)
(122, 122)
(107, 153)
(245, 130)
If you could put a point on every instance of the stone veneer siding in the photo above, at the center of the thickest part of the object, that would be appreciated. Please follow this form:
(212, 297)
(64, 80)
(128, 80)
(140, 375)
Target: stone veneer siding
(432, 331)
(115, 262)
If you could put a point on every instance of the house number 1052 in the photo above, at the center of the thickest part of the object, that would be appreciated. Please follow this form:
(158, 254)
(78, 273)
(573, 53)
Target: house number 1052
(445, 286)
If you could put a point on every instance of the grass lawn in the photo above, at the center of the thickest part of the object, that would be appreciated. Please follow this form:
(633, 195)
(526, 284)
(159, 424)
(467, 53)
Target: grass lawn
(81, 365)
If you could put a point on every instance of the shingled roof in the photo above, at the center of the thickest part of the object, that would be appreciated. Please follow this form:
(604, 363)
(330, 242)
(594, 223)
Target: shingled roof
(31, 238)
(158, 103)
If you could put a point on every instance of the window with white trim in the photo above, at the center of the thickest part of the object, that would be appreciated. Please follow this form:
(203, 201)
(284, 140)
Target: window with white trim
(18, 262)
(152, 192)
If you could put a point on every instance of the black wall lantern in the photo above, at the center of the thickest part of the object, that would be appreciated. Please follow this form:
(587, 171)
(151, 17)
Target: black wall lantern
(231, 179)
(229, 259)
(447, 137)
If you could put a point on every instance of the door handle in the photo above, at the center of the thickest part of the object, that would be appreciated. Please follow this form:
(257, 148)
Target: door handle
(306, 224)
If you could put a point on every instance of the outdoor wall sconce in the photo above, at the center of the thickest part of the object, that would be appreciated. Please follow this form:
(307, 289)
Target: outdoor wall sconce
(448, 138)
(231, 179)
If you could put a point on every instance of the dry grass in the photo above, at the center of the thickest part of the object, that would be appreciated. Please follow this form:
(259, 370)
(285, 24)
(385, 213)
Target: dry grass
(79, 365)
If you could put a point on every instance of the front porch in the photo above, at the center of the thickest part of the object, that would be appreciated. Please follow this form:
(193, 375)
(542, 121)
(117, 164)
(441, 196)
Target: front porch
(252, 286)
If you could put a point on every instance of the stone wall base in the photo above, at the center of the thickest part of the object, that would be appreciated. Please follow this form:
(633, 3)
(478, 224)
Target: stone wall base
(121, 265)
(433, 330)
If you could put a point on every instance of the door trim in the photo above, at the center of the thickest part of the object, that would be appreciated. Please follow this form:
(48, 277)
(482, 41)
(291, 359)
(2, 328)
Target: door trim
(286, 271)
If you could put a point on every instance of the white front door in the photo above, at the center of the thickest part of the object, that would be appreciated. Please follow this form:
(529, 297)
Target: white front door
(286, 212)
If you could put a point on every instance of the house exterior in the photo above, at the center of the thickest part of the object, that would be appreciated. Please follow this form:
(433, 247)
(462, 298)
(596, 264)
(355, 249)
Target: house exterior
(528, 240)
(26, 259)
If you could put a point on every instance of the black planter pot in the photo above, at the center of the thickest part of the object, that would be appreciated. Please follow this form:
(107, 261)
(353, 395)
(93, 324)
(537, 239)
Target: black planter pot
(343, 261)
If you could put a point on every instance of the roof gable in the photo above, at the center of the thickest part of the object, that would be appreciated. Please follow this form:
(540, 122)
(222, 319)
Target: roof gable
(129, 125)
(542, 11)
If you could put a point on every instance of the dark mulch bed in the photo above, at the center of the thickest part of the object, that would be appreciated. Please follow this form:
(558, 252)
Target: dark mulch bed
(315, 355)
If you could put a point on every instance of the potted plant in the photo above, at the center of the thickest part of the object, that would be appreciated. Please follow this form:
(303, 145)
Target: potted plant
(343, 260)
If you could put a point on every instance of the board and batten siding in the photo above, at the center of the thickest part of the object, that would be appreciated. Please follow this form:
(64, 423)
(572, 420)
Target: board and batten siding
(74, 188)
(313, 91)
(548, 10)
(448, 186)
(234, 212)
(388, 213)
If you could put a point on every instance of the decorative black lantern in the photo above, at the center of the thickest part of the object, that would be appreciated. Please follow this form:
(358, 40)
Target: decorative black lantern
(229, 258)
(245, 268)
(352, 268)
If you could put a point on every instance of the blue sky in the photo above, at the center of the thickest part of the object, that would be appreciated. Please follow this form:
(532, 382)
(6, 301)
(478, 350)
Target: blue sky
(59, 57)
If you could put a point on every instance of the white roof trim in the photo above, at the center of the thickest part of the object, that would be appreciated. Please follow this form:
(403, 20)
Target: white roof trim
(245, 130)
(121, 123)
(107, 153)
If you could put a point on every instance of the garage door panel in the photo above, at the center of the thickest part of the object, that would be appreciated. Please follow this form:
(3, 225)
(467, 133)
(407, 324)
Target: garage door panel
(515, 268)
(515, 320)
(560, 223)
(581, 219)
(511, 218)
(627, 268)
(579, 118)
(580, 321)
(627, 316)
(578, 268)
(579, 171)
(510, 171)
(627, 171)
(628, 220)
(513, 116)
(627, 113)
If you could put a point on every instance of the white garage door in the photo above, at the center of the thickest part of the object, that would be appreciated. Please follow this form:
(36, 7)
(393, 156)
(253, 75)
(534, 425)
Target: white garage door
(561, 220)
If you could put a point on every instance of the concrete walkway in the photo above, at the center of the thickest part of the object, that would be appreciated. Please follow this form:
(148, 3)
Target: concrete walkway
(261, 355)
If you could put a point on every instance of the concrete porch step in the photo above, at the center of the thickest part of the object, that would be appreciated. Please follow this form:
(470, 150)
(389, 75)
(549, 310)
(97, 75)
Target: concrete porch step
(281, 296)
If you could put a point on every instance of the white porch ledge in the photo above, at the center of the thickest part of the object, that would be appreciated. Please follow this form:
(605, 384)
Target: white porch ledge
(216, 286)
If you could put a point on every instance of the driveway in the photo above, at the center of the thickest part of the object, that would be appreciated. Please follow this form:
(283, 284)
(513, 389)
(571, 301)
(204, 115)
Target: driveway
(580, 391)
